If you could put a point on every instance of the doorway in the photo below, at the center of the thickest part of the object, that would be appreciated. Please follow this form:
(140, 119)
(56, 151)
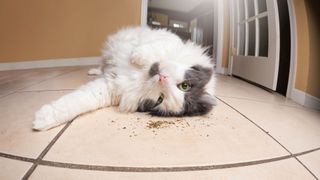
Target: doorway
(190, 20)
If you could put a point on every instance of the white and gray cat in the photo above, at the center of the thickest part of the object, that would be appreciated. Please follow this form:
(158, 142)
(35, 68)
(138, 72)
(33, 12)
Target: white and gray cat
(143, 70)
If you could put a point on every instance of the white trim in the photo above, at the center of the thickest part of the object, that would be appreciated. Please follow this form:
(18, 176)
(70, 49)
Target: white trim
(312, 102)
(144, 12)
(223, 71)
(220, 35)
(246, 50)
(305, 99)
(232, 37)
(277, 53)
(82, 61)
(294, 39)
(298, 96)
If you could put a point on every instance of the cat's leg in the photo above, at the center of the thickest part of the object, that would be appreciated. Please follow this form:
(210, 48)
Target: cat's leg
(93, 95)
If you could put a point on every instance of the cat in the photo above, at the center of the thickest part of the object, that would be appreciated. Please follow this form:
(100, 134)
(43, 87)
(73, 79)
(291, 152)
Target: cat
(144, 70)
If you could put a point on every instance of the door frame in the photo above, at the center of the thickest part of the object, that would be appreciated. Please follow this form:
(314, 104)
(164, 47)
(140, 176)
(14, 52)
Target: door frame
(293, 58)
(144, 13)
(219, 34)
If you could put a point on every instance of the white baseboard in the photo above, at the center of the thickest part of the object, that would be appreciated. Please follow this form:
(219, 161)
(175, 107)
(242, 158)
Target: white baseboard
(312, 102)
(222, 70)
(82, 61)
(305, 99)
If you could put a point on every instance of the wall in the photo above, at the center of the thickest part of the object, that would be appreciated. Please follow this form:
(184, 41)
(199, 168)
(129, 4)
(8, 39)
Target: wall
(313, 13)
(308, 43)
(46, 29)
(302, 62)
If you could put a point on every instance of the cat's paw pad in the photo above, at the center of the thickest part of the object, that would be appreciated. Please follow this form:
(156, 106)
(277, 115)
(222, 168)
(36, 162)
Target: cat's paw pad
(95, 71)
(44, 119)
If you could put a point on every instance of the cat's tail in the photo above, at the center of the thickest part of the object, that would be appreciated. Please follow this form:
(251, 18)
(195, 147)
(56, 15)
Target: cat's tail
(95, 94)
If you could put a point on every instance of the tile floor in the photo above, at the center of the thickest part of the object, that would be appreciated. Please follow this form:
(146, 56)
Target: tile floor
(251, 134)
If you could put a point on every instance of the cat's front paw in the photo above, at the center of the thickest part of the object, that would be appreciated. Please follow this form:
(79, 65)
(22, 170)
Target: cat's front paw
(44, 118)
(137, 60)
(94, 72)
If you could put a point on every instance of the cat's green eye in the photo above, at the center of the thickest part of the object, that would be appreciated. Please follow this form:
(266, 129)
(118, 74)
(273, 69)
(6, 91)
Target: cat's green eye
(184, 87)
(160, 99)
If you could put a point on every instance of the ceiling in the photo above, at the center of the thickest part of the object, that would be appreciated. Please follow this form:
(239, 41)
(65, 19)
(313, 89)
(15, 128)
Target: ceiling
(176, 5)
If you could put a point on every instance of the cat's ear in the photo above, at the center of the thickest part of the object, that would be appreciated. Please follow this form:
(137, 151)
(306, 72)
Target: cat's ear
(205, 104)
(205, 70)
(200, 105)
(208, 99)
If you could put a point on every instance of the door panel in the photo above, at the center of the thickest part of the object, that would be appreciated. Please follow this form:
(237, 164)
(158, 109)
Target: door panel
(256, 38)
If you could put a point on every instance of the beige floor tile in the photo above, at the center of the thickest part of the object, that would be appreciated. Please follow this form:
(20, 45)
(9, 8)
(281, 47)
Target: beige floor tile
(71, 80)
(298, 129)
(12, 169)
(312, 161)
(17, 113)
(107, 137)
(11, 81)
(227, 86)
(286, 169)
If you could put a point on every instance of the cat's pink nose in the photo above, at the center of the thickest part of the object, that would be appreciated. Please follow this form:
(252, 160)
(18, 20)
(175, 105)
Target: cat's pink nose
(162, 78)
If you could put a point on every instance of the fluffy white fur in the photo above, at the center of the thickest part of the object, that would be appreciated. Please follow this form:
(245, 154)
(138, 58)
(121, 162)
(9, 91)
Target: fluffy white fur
(127, 57)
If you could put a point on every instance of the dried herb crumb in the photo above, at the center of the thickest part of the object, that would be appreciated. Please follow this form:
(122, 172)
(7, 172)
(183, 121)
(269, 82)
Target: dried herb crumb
(158, 124)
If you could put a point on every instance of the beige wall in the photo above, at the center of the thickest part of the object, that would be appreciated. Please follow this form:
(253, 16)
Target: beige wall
(308, 43)
(313, 13)
(302, 45)
(46, 29)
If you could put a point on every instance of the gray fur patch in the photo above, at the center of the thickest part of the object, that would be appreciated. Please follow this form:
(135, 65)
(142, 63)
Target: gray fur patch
(146, 105)
(154, 69)
(197, 101)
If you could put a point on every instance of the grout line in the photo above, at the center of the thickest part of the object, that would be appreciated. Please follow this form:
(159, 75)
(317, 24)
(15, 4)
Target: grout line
(148, 169)
(261, 101)
(36, 83)
(267, 133)
(159, 169)
(45, 151)
(20, 158)
(46, 90)
(168, 169)
(307, 168)
(75, 70)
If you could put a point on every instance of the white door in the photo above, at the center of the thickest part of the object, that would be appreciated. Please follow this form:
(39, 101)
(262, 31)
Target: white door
(255, 41)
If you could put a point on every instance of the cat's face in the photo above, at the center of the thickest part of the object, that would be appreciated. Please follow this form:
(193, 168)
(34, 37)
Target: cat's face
(175, 90)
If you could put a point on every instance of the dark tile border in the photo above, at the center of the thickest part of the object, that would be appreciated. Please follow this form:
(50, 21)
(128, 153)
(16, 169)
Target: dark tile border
(45, 151)
(39, 161)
